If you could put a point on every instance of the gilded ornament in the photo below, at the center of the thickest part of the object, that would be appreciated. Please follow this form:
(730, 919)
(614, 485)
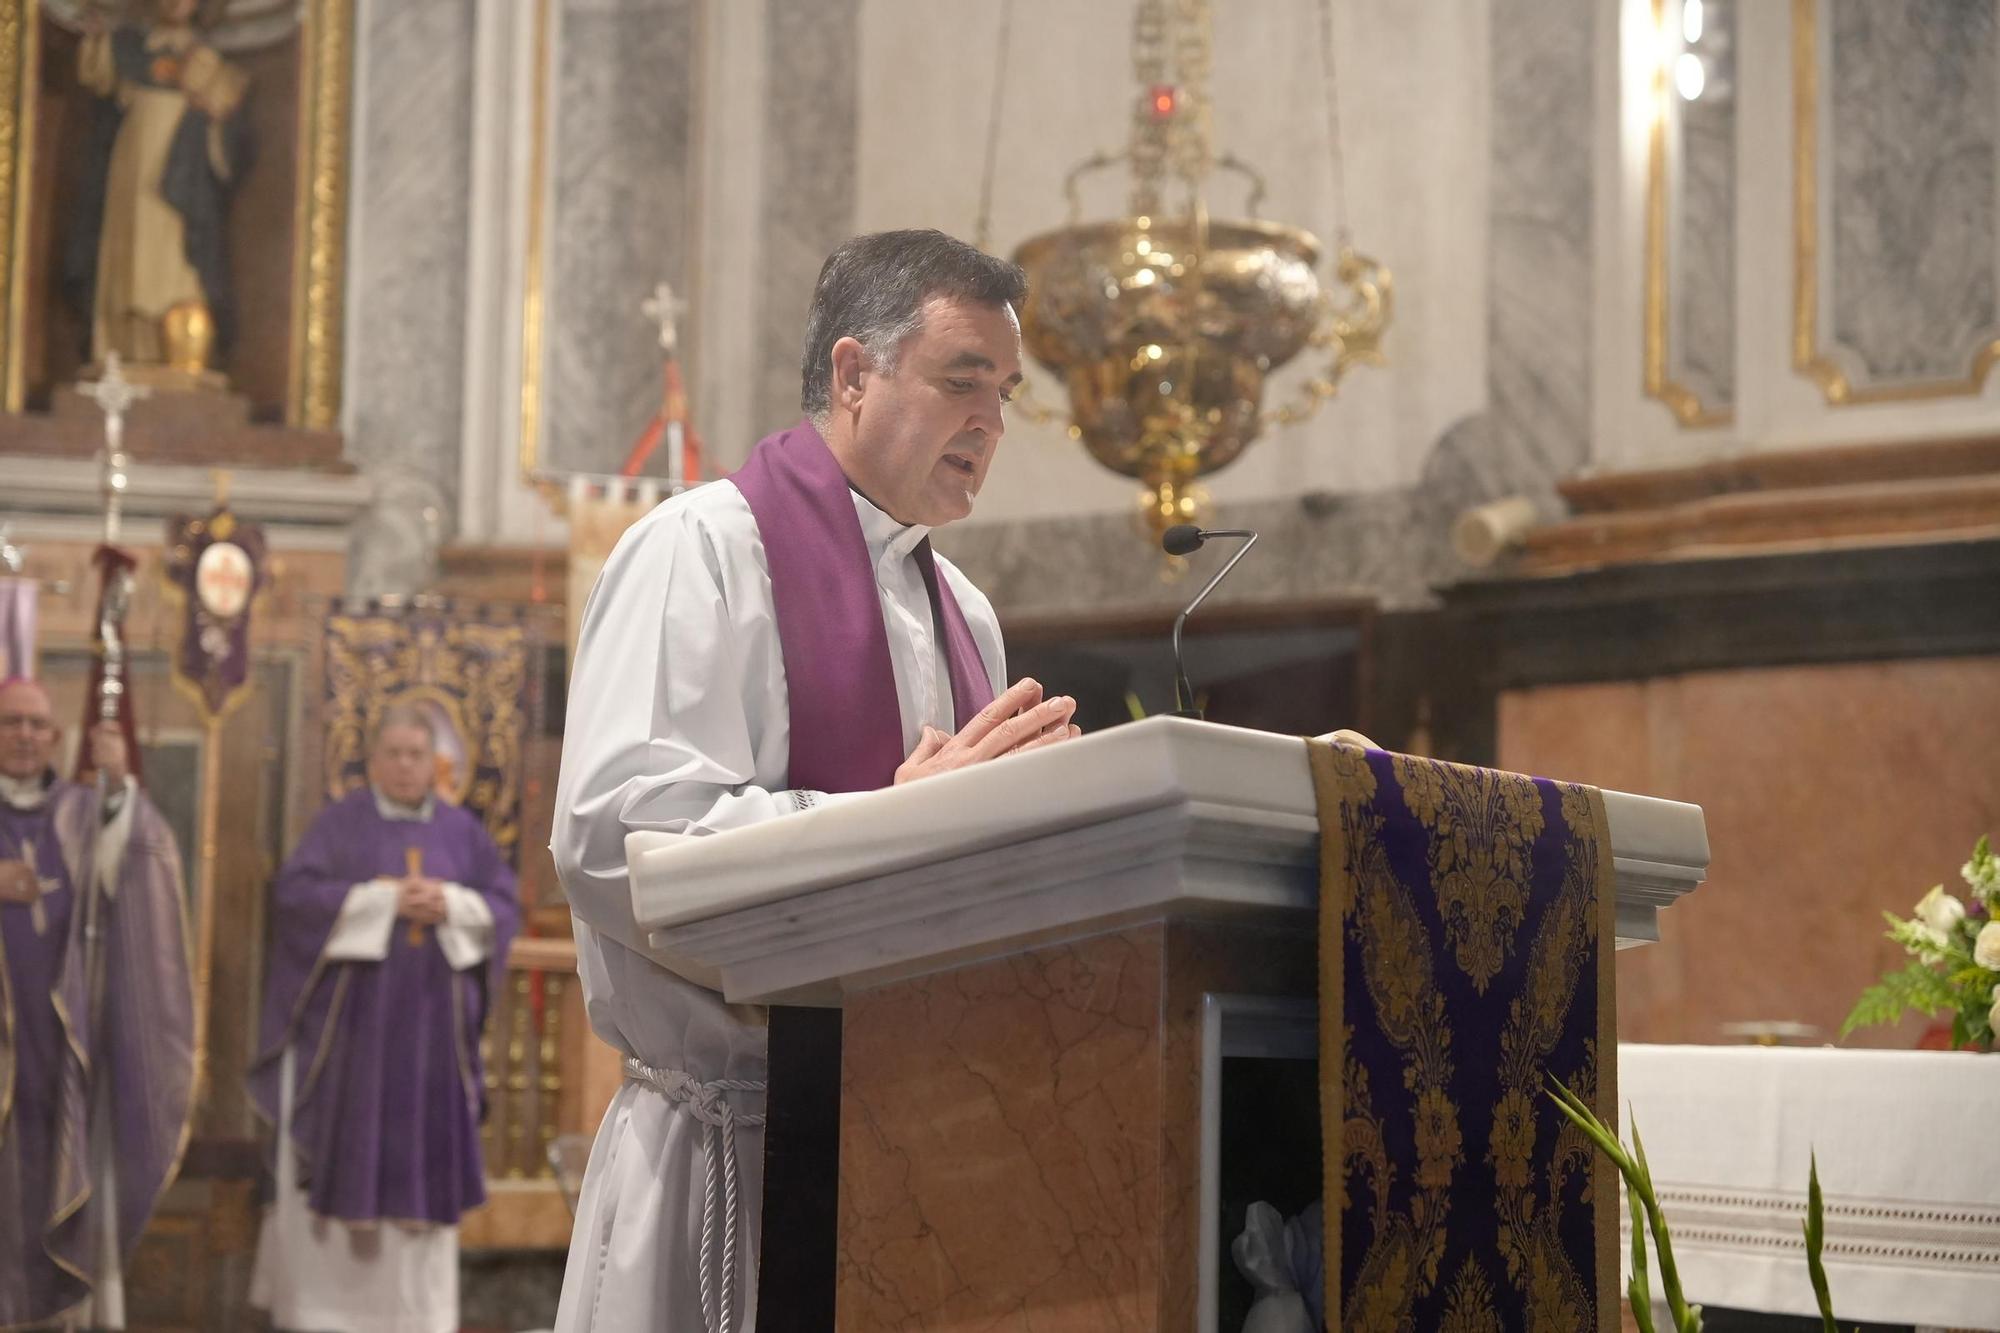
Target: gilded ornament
(1165, 325)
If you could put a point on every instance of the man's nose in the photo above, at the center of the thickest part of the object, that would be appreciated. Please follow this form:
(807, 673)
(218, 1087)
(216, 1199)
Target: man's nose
(989, 418)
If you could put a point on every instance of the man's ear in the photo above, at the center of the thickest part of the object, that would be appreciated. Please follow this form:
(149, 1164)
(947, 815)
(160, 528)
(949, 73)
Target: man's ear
(849, 361)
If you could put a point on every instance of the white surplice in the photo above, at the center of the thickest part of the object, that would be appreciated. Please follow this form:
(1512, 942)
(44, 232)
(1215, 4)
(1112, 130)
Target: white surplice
(679, 722)
(391, 1276)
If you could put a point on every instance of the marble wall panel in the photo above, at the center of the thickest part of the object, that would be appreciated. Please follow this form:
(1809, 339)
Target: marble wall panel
(411, 188)
(1911, 141)
(1833, 794)
(1701, 272)
(809, 184)
(620, 175)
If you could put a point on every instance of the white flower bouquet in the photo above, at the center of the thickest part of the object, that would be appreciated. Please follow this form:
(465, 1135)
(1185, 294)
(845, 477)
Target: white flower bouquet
(1954, 967)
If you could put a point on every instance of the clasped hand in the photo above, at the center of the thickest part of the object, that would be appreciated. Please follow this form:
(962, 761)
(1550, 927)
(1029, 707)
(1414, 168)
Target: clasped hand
(420, 899)
(1018, 721)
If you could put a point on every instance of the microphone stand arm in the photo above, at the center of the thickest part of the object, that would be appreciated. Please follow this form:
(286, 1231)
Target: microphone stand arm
(1183, 692)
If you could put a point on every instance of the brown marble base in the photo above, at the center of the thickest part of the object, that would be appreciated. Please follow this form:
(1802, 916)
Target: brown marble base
(1833, 794)
(1020, 1138)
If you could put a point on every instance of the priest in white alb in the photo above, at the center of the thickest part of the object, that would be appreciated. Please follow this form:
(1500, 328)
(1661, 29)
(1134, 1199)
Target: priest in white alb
(755, 647)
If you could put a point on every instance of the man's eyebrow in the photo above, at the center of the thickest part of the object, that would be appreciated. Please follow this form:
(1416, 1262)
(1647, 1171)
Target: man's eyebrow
(975, 361)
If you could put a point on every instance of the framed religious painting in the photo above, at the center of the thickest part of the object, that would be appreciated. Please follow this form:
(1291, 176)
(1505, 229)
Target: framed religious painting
(173, 191)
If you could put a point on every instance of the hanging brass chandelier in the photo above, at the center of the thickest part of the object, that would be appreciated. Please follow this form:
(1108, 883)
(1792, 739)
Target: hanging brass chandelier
(1164, 325)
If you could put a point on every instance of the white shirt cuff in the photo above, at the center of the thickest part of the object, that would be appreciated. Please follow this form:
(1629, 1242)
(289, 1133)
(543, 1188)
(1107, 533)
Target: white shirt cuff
(466, 933)
(802, 799)
(367, 919)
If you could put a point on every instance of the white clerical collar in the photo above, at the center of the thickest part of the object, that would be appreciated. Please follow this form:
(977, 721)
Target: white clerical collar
(885, 536)
(412, 814)
(24, 793)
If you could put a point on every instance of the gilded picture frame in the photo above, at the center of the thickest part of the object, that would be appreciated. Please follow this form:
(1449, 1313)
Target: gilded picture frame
(319, 99)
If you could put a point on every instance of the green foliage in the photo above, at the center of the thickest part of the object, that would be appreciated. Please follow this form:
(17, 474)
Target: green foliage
(1982, 872)
(1648, 1217)
(1912, 935)
(1637, 1293)
(1639, 1184)
(1815, 1227)
(1916, 987)
(1943, 975)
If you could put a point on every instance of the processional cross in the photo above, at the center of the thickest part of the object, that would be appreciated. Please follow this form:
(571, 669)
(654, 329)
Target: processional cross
(665, 309)
(114, 396)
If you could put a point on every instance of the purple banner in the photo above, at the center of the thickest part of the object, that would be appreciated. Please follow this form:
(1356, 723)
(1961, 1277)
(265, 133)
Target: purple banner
(214, 567)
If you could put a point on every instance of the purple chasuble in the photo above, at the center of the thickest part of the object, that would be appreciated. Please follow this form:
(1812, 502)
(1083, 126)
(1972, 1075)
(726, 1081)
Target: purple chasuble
(388, 1088)
(54, 1042)
(846, 725)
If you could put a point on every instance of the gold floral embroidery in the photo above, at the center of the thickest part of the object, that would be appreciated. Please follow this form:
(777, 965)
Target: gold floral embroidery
(1562, 947)
(1438, 1139)
(1350, 767)
(1556, 1301)
(1469, 1303)
(1386, 1288)
(1513, 1140)
(1483, 824)
(1399, 975)
(1402, 1155)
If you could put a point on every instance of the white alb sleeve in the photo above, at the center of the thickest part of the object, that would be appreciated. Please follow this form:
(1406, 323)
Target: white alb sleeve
(367, 919)
(466, 933)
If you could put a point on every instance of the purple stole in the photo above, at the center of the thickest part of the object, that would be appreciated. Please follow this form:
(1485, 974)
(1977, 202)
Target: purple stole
(846, 726)
(846, 735)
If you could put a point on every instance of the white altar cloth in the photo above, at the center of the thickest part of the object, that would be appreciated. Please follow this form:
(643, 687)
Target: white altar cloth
(1909, 1167)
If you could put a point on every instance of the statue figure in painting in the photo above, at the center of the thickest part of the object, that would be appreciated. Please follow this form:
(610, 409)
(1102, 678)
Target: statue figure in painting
(145, 262)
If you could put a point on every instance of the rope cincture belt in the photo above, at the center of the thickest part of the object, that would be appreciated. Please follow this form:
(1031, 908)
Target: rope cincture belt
(709, 1103)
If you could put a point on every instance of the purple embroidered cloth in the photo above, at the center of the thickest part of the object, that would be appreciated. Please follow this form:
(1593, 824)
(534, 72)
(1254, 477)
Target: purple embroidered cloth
(389, 1089)
(1466, 937)
(846, 725)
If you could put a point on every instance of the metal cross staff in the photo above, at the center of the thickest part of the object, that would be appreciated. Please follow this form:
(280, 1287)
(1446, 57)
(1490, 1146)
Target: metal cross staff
(665, 309)
(114, 396)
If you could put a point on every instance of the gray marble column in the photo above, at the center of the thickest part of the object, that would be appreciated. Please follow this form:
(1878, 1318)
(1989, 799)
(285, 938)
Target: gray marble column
(1701, 193)
(621, 200)
(409, 192)
(809, 131)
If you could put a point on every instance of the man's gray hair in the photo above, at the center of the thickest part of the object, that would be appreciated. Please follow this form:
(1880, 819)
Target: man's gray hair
(873, 288)
(415, 716)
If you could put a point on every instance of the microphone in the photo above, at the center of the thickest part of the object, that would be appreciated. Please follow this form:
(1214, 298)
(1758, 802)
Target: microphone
(1184, 539)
